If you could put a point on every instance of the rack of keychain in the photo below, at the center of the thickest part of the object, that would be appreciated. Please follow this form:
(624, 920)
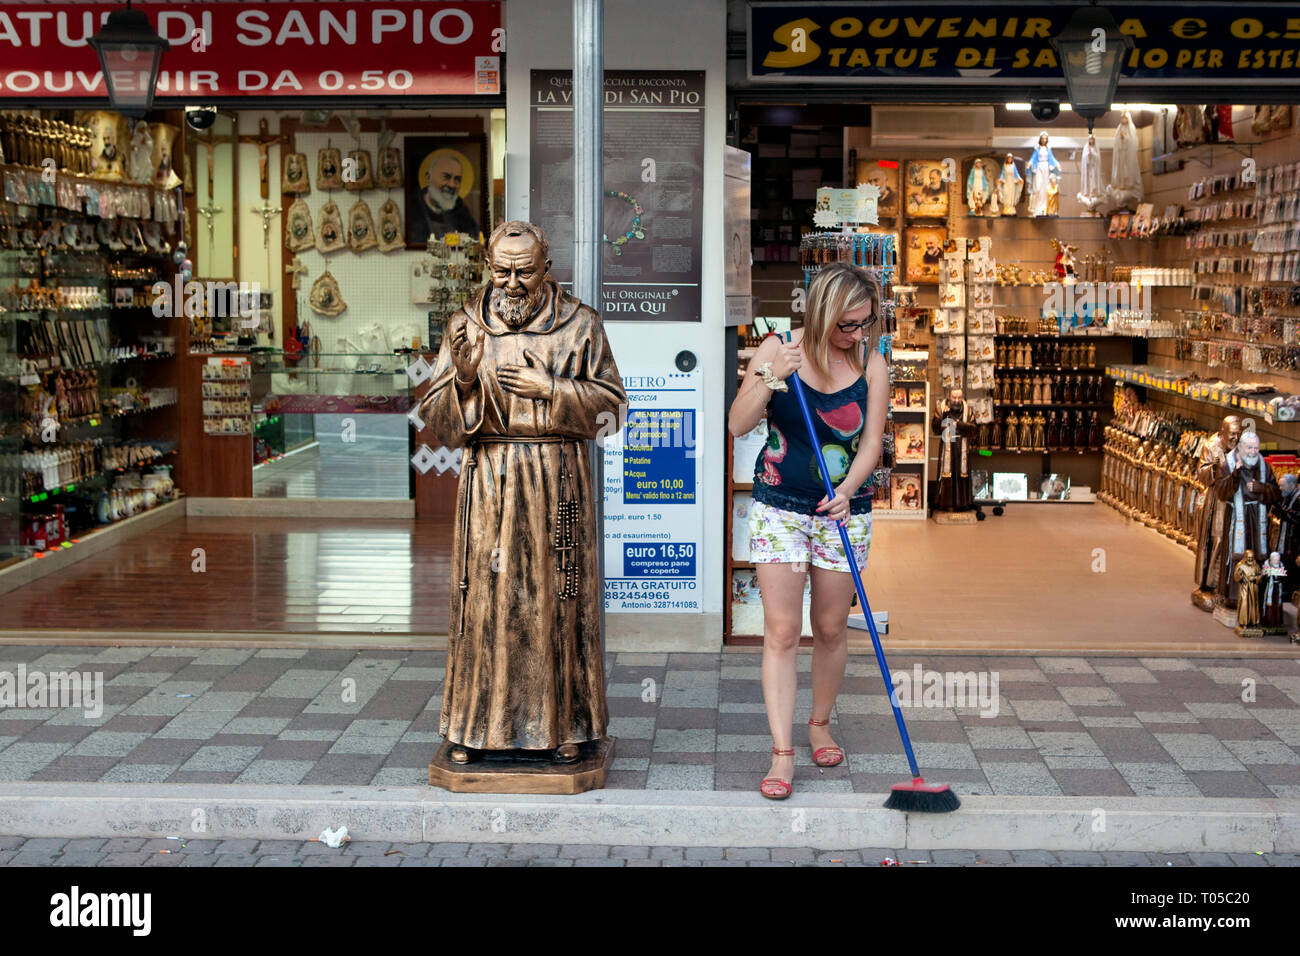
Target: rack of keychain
(876, 253)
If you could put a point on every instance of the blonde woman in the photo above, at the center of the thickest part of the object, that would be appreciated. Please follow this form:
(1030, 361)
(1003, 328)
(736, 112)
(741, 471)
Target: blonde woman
(792, 523)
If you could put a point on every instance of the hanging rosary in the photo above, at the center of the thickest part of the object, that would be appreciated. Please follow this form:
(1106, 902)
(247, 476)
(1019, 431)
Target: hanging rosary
(635, 232)
(566, 521)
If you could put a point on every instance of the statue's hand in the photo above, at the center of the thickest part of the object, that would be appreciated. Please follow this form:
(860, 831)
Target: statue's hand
(527, 381)
(465, 354)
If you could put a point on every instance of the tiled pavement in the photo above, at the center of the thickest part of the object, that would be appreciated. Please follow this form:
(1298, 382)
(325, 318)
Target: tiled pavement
(21, 851)
(1065, 726)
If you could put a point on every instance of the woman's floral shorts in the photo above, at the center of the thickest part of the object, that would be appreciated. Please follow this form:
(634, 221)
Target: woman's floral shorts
(787, 537)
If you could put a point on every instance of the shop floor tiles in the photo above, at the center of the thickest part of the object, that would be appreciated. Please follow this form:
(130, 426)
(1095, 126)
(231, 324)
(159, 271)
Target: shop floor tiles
(1152, 727)
(1074, 579)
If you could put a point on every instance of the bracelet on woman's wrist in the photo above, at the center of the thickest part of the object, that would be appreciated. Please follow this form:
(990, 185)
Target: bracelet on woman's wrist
(769, 378)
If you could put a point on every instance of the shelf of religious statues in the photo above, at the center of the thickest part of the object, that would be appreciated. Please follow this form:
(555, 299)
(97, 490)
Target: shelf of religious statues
(1217, 393)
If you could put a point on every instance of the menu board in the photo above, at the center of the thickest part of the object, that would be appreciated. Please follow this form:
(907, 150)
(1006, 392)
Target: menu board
(654, 186)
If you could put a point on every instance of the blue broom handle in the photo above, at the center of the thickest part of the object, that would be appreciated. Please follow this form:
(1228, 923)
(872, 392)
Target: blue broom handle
(857, 577)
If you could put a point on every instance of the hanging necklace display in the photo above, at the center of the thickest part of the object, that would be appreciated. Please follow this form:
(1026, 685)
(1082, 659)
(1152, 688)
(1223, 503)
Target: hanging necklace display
(360, 176)
(329, 169)
(388, 174)
(634, 230)
(293, 178)
(330, 236)
(301, 235)
(325, 296)
(361, 227)
(390, 227)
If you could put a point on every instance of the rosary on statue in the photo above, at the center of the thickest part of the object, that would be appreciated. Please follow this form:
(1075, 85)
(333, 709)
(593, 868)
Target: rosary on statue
(566, 522)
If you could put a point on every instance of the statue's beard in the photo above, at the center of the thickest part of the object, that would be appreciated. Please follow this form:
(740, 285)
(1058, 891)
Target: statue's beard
(516, 310)
(1250, 460)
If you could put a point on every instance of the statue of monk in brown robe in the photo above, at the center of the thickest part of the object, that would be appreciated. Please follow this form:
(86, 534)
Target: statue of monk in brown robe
(524, 377)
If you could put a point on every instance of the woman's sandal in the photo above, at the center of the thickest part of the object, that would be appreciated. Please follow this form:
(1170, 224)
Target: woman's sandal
(834, 755)
(774, 788)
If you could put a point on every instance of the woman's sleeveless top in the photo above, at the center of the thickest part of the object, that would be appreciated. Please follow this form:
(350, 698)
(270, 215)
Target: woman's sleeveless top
(786, 474)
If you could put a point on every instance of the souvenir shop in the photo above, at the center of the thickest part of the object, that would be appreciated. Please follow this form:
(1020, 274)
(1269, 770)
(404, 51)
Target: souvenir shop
(219, 295)
(1102, 290)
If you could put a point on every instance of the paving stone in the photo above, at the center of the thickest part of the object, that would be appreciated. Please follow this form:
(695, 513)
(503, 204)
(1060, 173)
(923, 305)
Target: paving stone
(533, 851)
(1248, 859)
(793, 854)
(1125, 858)
(705, 852)
(122, 844)
(958, 857)
(577, 852)
(1040, 857)
(448, 850)
(237, 846)
(844, 856)
(630, 852)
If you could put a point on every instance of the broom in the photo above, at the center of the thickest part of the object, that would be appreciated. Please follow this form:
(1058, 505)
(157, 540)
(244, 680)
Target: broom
(917, 796)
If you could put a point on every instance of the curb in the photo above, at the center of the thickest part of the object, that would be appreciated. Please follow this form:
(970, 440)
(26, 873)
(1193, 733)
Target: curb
(646, 818)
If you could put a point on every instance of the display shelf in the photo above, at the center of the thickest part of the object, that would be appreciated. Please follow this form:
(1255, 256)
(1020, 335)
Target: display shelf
(1203, 153)
(1074, 405)
(70, 486)
(1048, 368)
(1163, 381)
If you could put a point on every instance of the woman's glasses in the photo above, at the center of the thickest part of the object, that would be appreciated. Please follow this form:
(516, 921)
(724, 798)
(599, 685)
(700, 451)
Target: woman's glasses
(854, 326)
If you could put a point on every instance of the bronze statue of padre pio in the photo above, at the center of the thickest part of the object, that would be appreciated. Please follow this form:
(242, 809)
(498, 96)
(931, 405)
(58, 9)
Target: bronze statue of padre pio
(523, 379)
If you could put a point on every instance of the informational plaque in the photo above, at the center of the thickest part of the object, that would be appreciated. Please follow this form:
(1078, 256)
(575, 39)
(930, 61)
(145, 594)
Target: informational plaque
(654, 186)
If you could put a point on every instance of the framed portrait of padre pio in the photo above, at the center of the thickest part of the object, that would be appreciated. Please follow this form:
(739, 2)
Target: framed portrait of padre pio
(883, 174)
(925, 190)
(445, 188)
(922, 253)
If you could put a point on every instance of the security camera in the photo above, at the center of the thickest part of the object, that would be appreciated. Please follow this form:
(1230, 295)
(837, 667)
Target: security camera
(1045, 110)
(200, 117)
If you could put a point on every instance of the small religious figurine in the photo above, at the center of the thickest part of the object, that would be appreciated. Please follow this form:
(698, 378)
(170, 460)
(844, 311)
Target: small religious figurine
(1125, 189)
(1012, 434)
(1039, 171)
(954, 421)
(1247, 489)
(1271, 614)
(1246, 577)
(1209, 510)
(978, 188)
(1010, 185)
(1053, 195)
(1039, 439)
(1288, 532)
(1091, 191)
(524, 378)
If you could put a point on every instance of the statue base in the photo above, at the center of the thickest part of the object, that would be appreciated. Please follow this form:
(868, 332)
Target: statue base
(1227, 616)
(523, 771)
(954, 517)
(1203, 600)
(1248, 631)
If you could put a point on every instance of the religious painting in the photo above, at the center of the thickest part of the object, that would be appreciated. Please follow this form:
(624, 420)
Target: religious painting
(927, 193)
(905, 492)
(909, 442)
(922, 253)
(981, 486)
(883, 174)
(445, 188)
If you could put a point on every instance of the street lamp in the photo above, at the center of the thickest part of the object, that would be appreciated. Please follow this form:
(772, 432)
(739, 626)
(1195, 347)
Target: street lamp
(129, 52)
(1091, 51)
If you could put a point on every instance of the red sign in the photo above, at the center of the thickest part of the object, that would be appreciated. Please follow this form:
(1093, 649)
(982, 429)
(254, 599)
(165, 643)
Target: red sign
(219, 50)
